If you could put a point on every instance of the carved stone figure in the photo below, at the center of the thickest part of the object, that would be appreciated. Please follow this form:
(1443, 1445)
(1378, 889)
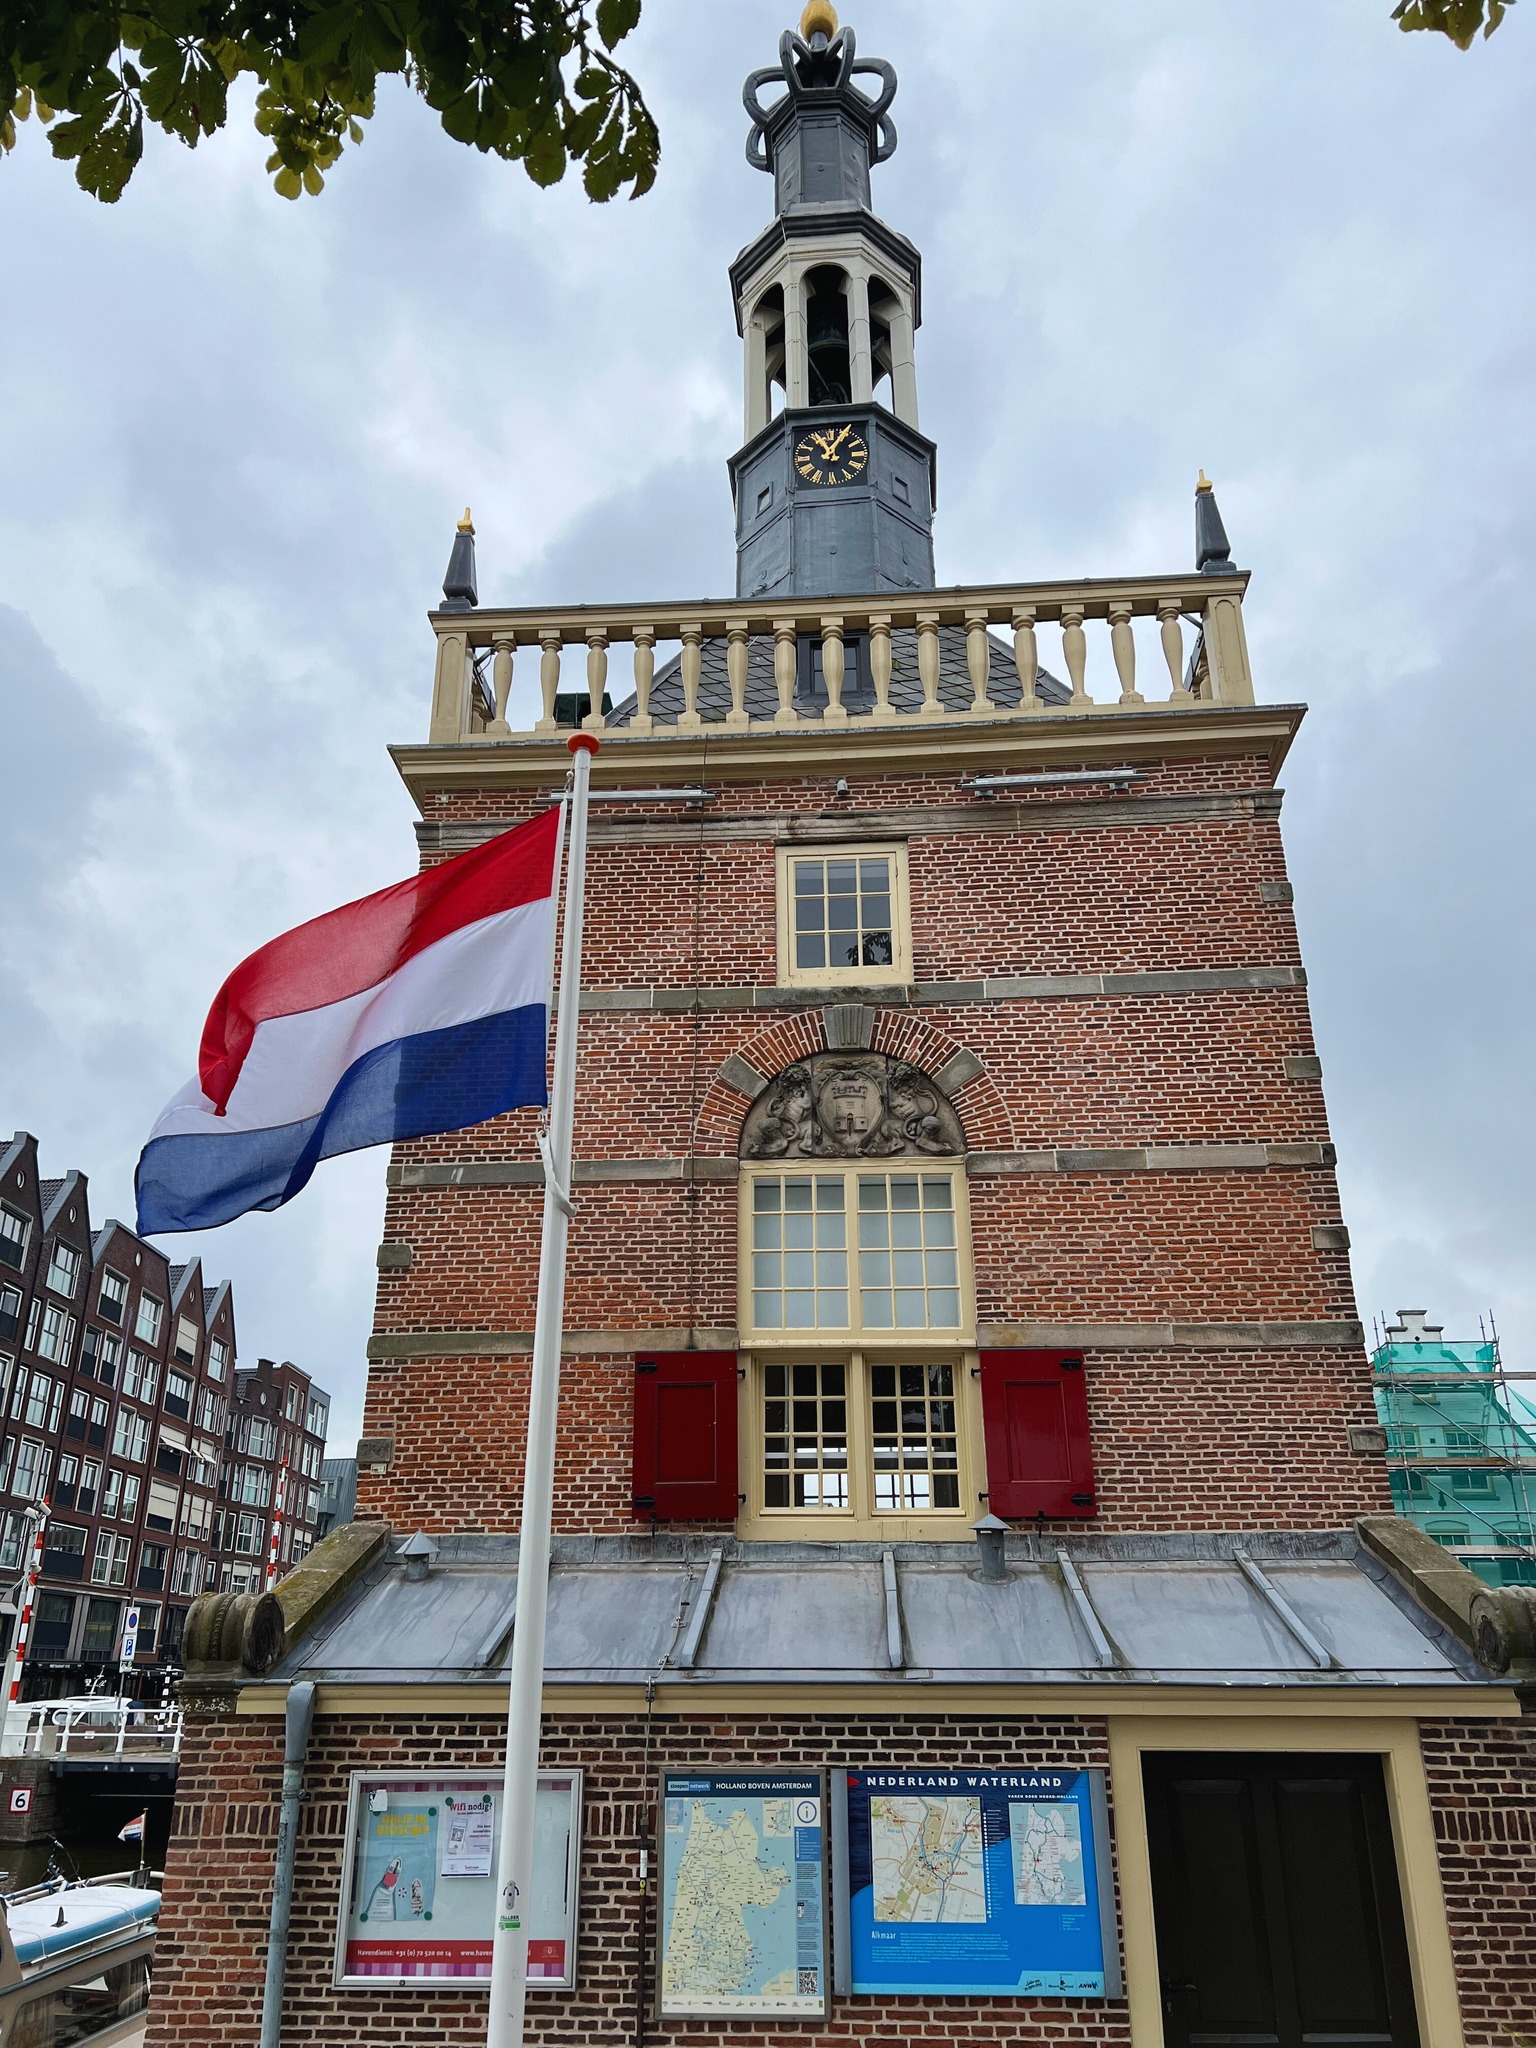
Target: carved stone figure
(841, 1106)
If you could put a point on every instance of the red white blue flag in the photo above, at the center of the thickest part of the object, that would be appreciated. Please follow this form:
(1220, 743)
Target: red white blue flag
(422, 1008)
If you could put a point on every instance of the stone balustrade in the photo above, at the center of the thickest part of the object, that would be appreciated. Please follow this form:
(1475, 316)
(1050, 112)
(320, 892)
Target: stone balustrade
(963, 653)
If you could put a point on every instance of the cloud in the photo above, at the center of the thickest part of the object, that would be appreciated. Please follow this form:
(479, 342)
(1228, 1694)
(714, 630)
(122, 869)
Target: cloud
(1287, 245)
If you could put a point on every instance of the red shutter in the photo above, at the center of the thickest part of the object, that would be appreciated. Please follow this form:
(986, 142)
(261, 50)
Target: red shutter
(1034, 1408)
(685, 1436)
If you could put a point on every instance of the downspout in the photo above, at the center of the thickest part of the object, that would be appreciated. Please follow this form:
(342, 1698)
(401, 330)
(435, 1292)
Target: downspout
(298, 1721)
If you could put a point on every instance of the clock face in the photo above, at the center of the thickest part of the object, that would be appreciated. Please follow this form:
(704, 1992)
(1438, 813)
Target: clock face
(831, 455)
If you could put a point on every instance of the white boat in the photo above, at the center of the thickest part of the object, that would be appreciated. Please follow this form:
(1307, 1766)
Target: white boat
(74, 1962)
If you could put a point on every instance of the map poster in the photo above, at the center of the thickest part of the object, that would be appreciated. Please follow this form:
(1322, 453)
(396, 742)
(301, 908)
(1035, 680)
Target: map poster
(743, 1896)
(419, 1886)
(978, 1883)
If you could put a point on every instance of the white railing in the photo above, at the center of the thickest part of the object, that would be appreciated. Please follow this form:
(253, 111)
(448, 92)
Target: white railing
(478, 654)
(92, 1727)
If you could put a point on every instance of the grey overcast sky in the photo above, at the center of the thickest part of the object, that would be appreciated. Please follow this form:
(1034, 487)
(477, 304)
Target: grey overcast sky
(1289, 244)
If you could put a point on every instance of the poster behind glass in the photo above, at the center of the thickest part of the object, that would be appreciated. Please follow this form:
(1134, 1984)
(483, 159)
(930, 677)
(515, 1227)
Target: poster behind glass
(976, 1884)
(743, 1903)
(419, 1880)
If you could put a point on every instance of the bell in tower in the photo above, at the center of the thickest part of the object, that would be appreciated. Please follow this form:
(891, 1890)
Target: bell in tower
(834, 487)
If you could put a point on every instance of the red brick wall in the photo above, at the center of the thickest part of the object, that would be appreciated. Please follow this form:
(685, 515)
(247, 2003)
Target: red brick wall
(1482, 1786)
(211, 1953)
(212, 1948)
(1183, 1438)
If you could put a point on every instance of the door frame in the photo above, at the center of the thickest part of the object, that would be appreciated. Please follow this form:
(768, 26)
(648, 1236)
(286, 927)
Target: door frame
(1413, 1841)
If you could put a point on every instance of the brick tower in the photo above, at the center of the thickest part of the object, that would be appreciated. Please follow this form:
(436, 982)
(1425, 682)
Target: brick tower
(976, 1615)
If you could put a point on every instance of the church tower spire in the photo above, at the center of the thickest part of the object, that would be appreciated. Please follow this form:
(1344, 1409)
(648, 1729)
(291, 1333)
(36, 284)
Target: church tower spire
(834, 486)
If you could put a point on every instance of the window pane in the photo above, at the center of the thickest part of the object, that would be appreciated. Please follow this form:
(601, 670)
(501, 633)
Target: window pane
(799, 1256)
(914, 1285)
(805, 1465)
(843, 912)
(912, 1427)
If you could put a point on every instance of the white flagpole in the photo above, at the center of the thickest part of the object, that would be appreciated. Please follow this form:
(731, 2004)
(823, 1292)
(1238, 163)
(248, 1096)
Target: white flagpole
(509, 1944)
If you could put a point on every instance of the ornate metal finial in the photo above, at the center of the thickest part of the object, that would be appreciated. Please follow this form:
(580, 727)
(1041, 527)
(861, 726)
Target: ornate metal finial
(817, 64)
(1203, 482)
(460, 593)
(1213, 551)
(466, 524)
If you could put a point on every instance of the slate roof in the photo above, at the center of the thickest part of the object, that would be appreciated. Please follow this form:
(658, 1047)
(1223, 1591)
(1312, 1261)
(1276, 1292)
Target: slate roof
(1315, 1611)
(906, 694)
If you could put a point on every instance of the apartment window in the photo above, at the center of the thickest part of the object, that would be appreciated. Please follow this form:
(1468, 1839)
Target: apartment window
(317, 1419)
(113, 1297)
(100, 1641)
(259, 1438)
(218, 1358)
(109, 1567)
(13, 1238)
(178, 1394)
(843, 916)
(33, 1463)
(146, 1324)
(100, 1351)
(64, 1552)
(185, 1346)
(113, 1494)
(90, 1486)
(34, 1317)
(249, 1533)
(44, 1400)
(152, 1568)
(196, 1514)
(63, 1270)
(51, 1633)
(79, 1409)
(130, 1507)
(186, 1576)
(203, 1465)
(19, 1395)
(149, 1629)
(170, 1450)
(131, 1439)
(15, 1534)
(251, 1484)
(160, 1509)
(291, 1401)
(854, 1251)
(97, 1432)
(55, 1335)
(140, 1377)
(68, 1474)
(10, 1314)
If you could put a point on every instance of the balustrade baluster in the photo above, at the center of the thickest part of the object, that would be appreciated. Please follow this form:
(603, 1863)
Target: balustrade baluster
(693, 657)
(736, 656)
(597, 677)
(549, 677)
(1074, 652)
(785, 657)
(645, 675)
(1026, 656)
(832, 670)
(501, 683)
(978, 659)
(1123, 643)
(928, 663)
(1172, 629)
(880, 663)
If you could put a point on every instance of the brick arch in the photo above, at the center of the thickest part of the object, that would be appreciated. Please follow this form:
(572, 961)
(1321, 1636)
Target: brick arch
(983, 1113)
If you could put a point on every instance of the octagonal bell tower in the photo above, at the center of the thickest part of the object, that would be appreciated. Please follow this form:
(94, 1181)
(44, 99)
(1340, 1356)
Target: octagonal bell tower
(834, 487)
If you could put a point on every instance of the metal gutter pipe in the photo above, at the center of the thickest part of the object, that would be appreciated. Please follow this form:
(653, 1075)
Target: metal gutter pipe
(298, 1721)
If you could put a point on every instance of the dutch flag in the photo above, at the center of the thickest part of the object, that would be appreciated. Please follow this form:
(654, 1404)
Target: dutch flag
(134, 1832)
(422, 1008)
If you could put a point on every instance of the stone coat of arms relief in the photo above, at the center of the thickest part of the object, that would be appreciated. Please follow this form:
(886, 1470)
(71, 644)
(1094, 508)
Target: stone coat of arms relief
(837, 1105)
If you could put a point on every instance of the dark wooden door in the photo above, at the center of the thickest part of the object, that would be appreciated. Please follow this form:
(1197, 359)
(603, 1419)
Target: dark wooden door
(1279, 1921)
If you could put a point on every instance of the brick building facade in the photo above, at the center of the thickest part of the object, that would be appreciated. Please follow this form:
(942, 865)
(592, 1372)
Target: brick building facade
(950, 1151)
(125, 1411)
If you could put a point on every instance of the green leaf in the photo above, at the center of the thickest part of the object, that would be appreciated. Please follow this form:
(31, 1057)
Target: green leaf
(287, 184)
(615, 20)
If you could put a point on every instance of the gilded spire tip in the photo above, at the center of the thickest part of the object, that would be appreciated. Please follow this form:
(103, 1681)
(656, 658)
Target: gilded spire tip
(466, 524)
(820, 16)
(1203, 483)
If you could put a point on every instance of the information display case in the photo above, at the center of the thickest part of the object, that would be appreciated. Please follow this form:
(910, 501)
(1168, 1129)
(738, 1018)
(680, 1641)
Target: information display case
(419, 1880)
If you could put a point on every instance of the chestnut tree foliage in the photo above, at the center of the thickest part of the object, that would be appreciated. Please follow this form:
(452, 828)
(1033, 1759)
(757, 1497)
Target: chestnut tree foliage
(534, 81)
